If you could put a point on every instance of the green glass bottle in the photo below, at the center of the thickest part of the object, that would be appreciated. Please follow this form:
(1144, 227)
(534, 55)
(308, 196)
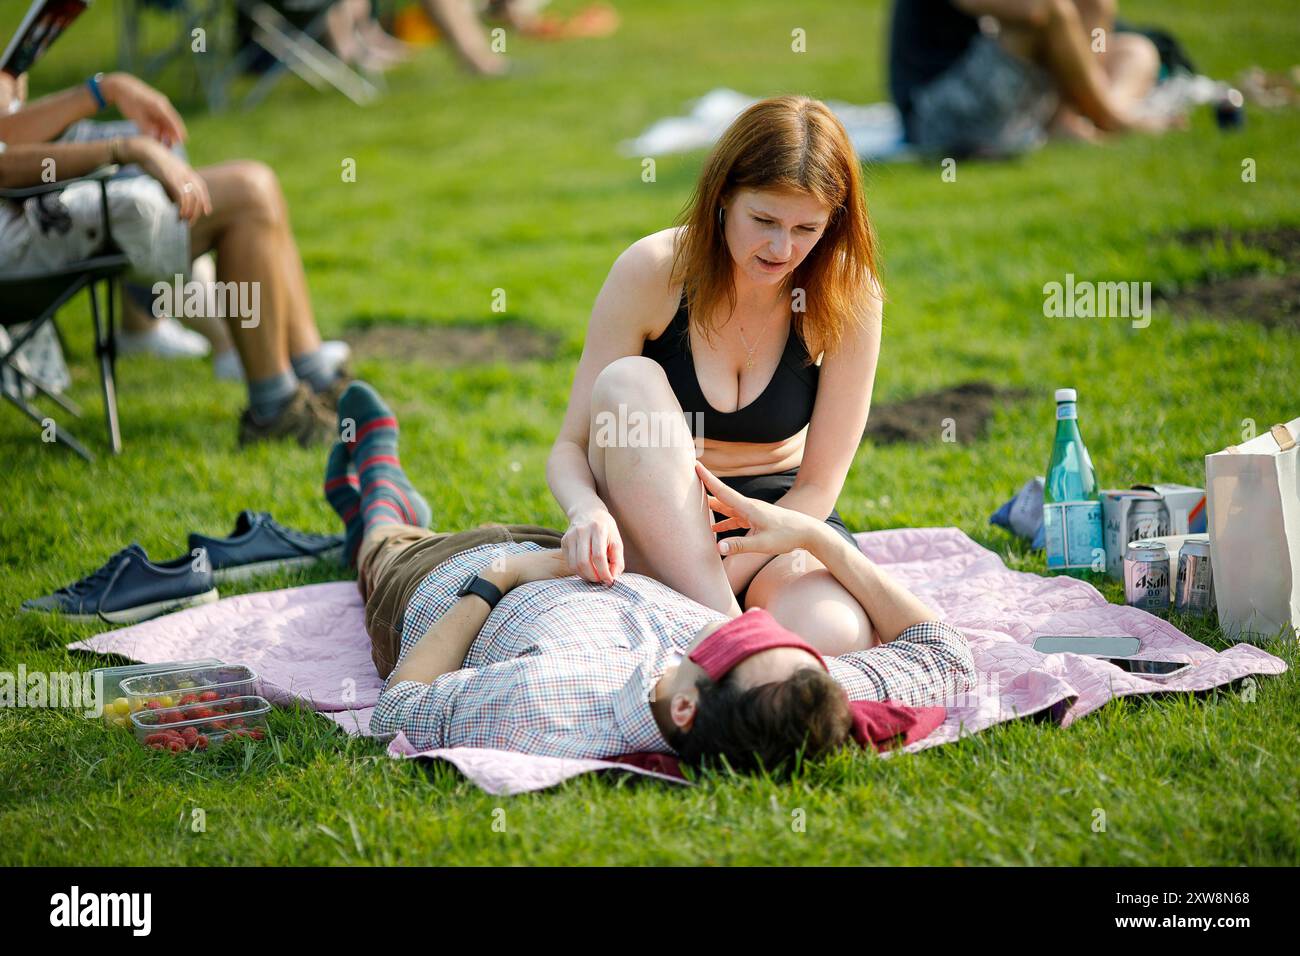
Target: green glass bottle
(1072, 528)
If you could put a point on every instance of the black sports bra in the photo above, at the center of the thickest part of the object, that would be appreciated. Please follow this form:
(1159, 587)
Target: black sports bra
(782, 409)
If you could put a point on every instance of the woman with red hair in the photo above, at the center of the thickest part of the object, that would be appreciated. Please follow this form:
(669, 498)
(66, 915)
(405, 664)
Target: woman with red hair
(746, 336)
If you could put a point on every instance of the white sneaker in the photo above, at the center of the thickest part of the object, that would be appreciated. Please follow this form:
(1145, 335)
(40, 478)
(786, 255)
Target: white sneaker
(227, 366)
(167, 339)
(335, 353)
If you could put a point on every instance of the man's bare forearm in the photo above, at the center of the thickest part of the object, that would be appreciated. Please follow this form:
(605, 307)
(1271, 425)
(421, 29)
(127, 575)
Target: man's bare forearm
(891, 607)
(47, 118)
(443, 647)
(29, 164)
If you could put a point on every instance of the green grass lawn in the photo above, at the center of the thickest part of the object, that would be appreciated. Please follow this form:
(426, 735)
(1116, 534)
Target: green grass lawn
(467, 186)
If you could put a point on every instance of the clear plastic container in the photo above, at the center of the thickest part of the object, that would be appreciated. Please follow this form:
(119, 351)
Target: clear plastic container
(116, 708)
(203, 684)
(202, 726)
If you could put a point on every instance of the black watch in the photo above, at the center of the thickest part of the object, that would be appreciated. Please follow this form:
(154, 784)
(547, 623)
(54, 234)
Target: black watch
(484, 589)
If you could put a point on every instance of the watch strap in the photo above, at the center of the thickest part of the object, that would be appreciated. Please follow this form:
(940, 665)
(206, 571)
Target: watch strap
(488, 591)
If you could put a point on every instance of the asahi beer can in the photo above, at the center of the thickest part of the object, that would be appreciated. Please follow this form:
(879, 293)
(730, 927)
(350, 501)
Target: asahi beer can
(1194, 587)
(1148, 518)
(1146, 576)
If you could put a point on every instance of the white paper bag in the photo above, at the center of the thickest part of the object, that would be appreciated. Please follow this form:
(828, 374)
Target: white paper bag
(1253, 496)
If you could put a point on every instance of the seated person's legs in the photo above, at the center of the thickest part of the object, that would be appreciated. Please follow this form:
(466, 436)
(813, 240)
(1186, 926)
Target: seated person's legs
(1059, 36)
(249, 230)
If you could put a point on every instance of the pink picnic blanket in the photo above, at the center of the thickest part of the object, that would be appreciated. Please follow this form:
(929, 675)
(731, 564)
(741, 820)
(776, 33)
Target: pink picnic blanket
(309, 645)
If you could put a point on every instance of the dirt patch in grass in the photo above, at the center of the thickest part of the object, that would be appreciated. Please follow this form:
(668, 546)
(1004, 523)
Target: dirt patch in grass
(469, 343)
(1280, 241)
(925, 418)
(1266, 299)
(1270, 300)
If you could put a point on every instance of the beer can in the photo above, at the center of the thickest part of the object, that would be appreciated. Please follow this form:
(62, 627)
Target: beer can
(1146, 576)
(1194, 587)
(1148, 518)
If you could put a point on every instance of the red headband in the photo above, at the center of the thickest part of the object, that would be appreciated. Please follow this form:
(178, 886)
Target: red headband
(742, 637)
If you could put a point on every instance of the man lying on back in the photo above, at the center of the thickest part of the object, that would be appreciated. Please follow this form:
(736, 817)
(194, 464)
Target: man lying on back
(488, 639)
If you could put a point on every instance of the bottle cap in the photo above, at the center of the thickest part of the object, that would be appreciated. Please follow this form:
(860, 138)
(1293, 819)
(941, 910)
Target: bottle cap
(1066, 395)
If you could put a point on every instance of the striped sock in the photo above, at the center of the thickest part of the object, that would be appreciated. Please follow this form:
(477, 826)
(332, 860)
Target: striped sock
(342, 491)
(387, 495)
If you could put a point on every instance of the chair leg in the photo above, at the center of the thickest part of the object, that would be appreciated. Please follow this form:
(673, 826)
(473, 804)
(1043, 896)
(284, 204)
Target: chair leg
(59, 433)
(105, 352)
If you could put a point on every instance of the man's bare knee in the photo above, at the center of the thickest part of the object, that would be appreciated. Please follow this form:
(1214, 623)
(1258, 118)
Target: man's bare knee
(259, 191)
(1097, 13)
(1138, 53)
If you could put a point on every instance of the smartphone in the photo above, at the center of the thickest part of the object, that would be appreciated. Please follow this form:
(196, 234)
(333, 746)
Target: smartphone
(1148, 668)
(1092, 646)
(1113, 650)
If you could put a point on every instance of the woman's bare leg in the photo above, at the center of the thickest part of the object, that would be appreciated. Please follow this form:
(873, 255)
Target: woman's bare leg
(649, 484)
(801, 594)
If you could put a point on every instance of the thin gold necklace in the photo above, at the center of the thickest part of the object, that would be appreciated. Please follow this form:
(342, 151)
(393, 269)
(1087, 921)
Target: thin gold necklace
(749, 358)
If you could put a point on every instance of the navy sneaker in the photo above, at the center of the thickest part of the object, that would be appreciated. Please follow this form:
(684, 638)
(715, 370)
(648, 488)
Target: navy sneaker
(130, 588)
(260, 544)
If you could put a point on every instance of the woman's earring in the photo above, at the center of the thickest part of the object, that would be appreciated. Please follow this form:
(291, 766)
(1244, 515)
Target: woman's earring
(721, 210)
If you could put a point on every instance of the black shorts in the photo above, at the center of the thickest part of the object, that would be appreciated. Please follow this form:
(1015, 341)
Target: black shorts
(769, 488)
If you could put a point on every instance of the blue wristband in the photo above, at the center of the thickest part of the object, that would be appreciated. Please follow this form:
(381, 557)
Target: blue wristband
(93, 83)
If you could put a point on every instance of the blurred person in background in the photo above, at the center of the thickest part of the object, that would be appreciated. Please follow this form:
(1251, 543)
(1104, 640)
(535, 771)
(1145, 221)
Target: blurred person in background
(1051, 67)
(459, 21)
(164, 219)
(357, 38)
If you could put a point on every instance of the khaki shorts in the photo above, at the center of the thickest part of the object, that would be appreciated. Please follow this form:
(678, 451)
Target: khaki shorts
(392, 565)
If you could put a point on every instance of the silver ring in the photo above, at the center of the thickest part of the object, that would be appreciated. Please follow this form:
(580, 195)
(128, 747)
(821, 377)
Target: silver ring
(187, 188)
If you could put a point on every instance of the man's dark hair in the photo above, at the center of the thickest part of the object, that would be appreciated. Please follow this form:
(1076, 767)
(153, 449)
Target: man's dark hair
(765, 726)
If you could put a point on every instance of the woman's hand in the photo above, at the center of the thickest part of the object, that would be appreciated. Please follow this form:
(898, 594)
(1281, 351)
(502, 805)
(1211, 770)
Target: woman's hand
(593, 546)
(184, 186)
(144, 106)
(772, 529)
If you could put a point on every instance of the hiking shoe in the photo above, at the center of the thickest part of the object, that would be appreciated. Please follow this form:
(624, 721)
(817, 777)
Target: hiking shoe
(304, 418)
(260, 545)
(130, 588)
(329, 397)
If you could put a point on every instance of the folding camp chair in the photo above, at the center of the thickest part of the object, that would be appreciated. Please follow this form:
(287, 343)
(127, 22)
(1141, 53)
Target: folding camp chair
(291, 47)
(34, 298)
(298, 50)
